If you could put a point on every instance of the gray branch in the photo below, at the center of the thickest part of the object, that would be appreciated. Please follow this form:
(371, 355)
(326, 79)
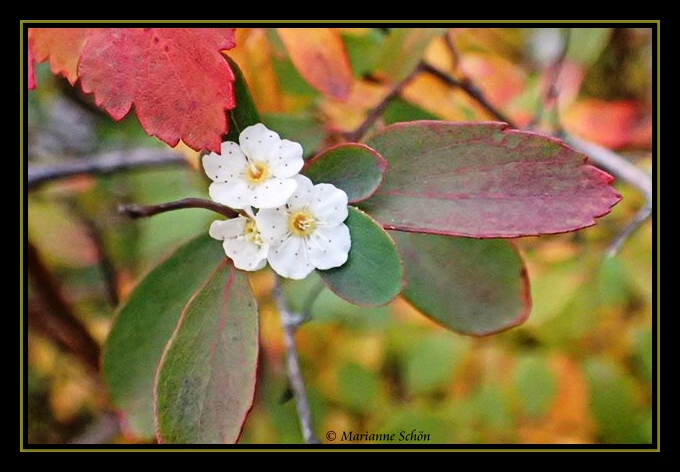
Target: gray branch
(623, 169)
(290, 323)
(104, 163)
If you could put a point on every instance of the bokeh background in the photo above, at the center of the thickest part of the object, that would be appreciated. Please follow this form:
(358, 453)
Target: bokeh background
(578, 371)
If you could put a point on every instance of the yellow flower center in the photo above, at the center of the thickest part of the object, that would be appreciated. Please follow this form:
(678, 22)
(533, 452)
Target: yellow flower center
(252, 234)
(257, 172)
(301, 223)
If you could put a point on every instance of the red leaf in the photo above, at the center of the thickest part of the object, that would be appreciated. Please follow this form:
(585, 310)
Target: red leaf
(31, 69)
(62, 46)
(177, 78)
(483, 180)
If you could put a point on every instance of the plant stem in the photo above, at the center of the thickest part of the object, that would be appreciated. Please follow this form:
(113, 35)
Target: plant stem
(53, 316)
(105, 163)
(290, 322)
(380, 108)
(144, 211)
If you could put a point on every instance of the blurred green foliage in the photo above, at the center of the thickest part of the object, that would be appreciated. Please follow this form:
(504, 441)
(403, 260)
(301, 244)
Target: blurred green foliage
(580, 370)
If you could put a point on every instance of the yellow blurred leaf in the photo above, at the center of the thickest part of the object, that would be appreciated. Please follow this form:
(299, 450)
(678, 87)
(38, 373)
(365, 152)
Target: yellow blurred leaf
(320, 57)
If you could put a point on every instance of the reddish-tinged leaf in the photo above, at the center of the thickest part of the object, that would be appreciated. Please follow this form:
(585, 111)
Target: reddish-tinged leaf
(206, 380)
(62, 46)
(177, 79)
(484, 180)
(320, 57)
(31, 68)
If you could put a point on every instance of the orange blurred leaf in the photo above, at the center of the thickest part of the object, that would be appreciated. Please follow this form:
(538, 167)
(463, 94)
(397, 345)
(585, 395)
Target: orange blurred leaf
(320, 57)
(610, 124)
(63, 46)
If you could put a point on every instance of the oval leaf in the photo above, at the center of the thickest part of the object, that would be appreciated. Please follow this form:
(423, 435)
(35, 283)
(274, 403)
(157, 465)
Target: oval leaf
(144, 324)
(484, 180)
(244, 114)
(467, 285)
(206, 380)
(320, 57)
(373, 274)
(355, 168)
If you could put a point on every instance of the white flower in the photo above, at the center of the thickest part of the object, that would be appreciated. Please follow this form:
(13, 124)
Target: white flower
(307, 232)
(256, 173)
(242, 241)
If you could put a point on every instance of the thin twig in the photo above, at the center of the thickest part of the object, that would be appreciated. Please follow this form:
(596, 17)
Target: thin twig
(54, 318)
(626, 171)
(372, 117)
(469, 88)
(143, 211)
(104, 163)
(290, 323)
(106, 266)
(552, 91)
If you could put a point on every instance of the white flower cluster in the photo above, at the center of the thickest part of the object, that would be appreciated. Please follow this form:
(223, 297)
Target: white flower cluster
(286, 220)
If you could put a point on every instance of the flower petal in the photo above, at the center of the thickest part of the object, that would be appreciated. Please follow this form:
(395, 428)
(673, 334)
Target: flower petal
(285, 159)
(273, 193)
(257, 141)
(290, 259)
(234, 193)
(226, 166)
(245, 254)
(329, 247)
(329, 204)
(303, 194)
(273, 224)
(227, 229)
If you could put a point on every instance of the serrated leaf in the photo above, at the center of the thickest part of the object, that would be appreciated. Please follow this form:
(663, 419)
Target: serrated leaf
(177, 78)
(355, 168)
(206, 380)
(320, 57)
(471, 286)
(62, 46)
(244, 114)
(144, 324)
(484, 180)
(373, 274)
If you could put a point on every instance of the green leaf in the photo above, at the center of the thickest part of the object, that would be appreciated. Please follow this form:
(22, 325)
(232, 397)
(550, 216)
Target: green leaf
(403, 49)
(301, 128)
(144, 324)
(613, 403)
(245, 114)
(587, 44)
(373, 274)
(471, 286)
(433, 362)
(535, 384)
(358, 387)
(206, 380)
(401, 110)
(364, 50)
(483, 180)
(355, 168)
